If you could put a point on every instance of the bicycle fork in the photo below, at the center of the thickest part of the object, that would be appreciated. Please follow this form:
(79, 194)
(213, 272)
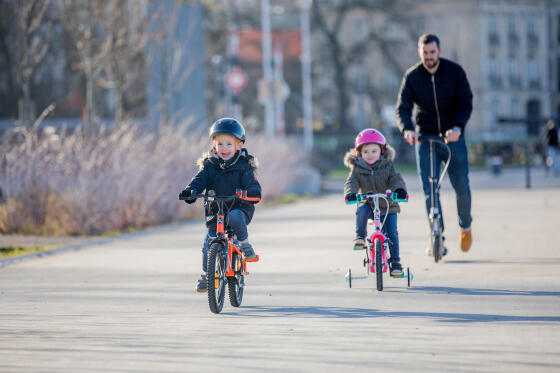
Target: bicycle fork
(434, 208)
(384, 252)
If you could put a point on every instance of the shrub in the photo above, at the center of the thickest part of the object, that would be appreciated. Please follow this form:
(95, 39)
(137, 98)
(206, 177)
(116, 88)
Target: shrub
(85, 181)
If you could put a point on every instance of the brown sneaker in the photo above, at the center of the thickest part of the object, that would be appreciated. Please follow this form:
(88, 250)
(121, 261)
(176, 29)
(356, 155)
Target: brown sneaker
(466, 240)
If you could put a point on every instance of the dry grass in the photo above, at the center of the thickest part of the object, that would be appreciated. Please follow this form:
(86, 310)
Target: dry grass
(94, 181)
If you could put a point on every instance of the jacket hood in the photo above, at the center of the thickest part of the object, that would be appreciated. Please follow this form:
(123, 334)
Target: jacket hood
(352, 159)
(213, 158)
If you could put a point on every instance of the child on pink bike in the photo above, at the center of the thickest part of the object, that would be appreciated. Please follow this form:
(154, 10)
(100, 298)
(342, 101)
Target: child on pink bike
(372, 170)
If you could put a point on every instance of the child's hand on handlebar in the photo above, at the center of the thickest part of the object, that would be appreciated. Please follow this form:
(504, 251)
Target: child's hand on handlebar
(351, 197)
(401, 194)
(187, 195)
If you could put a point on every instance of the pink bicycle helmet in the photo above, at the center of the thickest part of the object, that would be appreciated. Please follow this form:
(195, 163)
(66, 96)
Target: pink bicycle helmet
(369, 136)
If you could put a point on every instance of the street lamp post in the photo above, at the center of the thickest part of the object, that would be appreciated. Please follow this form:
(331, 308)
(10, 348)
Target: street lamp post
(306, 76)
(267, 67)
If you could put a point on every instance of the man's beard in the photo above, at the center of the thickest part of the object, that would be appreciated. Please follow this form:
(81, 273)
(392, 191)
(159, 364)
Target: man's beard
(431, 64)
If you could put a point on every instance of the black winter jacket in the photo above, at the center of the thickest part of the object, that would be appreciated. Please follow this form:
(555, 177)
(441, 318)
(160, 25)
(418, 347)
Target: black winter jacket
(224, 177)
(454, 98)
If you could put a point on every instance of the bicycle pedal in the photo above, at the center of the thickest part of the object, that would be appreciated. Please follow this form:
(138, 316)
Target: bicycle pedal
(358, 247)
(255, 259)
(398, 276)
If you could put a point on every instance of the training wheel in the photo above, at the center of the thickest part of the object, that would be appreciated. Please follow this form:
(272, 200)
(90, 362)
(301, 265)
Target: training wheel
(348, 278)
(408, 275)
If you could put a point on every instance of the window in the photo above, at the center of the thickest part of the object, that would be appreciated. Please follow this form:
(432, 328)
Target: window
(495, 109)
(493, 66)
(531, 25)
(558, 74)
(532, 71)
(492, 24)
(512, 33)
(532, 38)
(512, 71)
(558, 28)
(511, 24)
(515, 108)
(493, 37)
(494, 76)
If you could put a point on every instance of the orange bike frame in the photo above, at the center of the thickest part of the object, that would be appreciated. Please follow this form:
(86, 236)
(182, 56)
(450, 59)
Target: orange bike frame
(231, 247)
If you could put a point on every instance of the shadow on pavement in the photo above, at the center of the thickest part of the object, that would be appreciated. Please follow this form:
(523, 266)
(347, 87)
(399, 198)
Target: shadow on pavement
(539, 261)
(467, 291)
(355, 313)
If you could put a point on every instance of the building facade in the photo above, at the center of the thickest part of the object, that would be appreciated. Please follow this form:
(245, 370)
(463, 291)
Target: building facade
(510, 52)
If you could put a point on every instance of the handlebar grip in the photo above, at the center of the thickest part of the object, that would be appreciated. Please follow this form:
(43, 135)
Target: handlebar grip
(252, 199)
(396, 199)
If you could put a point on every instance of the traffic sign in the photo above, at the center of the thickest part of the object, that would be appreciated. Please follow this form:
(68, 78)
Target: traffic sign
(236, 79)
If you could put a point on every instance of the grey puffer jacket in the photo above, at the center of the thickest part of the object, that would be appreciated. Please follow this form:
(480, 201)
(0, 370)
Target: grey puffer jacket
(376, 178)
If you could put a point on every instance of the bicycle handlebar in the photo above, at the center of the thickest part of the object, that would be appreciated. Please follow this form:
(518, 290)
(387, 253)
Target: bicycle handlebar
(369, 196)
(437, 138)
(240, 194)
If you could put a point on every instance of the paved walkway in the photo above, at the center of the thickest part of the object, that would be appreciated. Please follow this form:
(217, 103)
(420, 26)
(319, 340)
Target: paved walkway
(129, 305)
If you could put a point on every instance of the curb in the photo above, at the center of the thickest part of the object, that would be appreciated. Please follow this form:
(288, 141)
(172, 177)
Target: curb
(8, 261)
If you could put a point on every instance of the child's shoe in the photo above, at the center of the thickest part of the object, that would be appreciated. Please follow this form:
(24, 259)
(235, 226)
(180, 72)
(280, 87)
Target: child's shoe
(247, 250)
(396, 269)
(202, 284)
(359, 244)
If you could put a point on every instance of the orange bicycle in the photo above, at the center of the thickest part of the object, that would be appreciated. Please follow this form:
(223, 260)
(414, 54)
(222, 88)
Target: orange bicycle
(226, 263)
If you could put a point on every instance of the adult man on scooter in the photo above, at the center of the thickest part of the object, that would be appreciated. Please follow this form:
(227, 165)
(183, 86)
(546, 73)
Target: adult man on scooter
(440, 90)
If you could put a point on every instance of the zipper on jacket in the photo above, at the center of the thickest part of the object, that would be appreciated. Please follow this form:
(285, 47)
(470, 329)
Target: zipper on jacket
(435, 100)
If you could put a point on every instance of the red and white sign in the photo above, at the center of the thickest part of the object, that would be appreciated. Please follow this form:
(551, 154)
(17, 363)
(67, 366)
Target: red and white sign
(236, 79)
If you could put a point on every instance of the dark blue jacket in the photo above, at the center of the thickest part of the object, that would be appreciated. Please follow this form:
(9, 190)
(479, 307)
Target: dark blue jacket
(454, 98)
(224, 177)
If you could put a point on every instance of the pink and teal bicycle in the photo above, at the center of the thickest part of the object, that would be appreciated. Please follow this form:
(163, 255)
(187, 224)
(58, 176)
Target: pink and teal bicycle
(377, 248)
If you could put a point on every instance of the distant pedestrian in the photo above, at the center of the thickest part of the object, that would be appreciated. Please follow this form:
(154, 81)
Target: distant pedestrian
(550, 141)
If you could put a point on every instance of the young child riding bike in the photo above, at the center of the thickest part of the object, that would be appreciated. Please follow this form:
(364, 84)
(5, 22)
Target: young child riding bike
(226, 168)
(372, 170)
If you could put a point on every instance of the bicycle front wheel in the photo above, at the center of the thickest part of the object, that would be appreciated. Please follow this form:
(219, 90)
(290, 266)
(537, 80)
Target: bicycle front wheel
(216, 277)
(378, 263)
(235, 283)
(436, 241)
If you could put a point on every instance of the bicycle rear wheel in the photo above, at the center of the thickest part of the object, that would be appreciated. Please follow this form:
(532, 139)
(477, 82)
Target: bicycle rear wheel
(235, 284)
(216, 277)
(378, 263)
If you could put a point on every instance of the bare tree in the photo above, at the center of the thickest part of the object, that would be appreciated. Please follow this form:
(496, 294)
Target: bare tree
(332, 20)
(127, 34)
(81, 19)
(31, 46)
(170, 53)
